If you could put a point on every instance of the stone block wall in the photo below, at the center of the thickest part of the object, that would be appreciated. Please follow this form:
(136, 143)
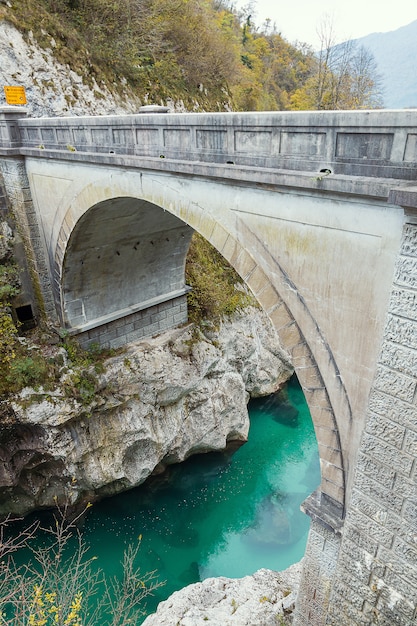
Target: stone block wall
(139, 325)
(317, 576)
(376, 576)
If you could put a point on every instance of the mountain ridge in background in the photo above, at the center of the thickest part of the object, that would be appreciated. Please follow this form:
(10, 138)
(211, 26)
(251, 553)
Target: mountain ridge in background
(395, 53)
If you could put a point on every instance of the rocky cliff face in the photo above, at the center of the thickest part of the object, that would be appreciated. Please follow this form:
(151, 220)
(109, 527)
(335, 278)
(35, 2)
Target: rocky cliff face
(158, 403)
(52, 88)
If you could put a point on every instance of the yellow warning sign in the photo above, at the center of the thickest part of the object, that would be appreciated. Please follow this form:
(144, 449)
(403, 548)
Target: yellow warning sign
(15, 95)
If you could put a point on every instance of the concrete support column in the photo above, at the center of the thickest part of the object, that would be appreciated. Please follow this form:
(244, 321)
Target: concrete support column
(29, 248)
(365, 573)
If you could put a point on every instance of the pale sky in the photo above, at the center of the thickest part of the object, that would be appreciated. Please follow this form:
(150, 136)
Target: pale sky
(299, 19)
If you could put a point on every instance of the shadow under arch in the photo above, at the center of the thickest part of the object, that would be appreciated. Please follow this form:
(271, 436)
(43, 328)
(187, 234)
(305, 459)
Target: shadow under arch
(280, 299)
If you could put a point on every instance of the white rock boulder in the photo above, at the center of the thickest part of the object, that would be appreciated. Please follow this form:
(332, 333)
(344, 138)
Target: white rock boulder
(264, 599)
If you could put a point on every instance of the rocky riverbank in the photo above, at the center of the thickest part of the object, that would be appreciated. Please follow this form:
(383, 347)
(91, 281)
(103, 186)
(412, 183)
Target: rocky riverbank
(156, 403)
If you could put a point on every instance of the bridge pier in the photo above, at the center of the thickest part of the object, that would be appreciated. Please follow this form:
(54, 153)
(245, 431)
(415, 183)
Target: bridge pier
(29, 250)
(376, 577)
(367, 573)
(319, 566)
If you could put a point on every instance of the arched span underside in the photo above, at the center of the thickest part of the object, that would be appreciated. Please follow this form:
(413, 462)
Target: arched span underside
(279, 298)
(122, 253)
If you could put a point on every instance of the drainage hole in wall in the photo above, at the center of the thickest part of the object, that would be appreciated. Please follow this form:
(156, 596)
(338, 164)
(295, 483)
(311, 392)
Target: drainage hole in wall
(25, 316)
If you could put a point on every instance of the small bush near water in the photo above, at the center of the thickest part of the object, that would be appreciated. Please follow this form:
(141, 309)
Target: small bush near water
(59, 584)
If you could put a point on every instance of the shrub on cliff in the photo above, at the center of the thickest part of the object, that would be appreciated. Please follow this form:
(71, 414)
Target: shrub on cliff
(28, 360)
(17, 364)
(217, 289)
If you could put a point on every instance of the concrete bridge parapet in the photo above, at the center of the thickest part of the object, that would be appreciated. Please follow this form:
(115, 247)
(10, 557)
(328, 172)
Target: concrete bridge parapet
(359, 143)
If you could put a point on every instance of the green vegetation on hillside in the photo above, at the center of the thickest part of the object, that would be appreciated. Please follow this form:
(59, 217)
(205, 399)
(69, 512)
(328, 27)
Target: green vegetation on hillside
(201, 52)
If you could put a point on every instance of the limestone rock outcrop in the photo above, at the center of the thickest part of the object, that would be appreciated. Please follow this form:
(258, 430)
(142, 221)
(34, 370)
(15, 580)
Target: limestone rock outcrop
(158, 402)
(264, 599)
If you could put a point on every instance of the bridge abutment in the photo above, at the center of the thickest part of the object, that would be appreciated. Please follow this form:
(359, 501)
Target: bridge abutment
(149, 319)
(368, 574)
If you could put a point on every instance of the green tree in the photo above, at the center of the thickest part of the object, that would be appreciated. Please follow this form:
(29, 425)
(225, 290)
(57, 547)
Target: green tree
(217, 289)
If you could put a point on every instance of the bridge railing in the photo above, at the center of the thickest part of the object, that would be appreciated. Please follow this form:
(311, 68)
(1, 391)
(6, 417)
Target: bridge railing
(354, 143)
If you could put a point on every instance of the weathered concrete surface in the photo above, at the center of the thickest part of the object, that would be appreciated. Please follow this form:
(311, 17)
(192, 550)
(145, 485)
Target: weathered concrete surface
(373, 579)
(126, 257)
(376, 577)
(156, 404)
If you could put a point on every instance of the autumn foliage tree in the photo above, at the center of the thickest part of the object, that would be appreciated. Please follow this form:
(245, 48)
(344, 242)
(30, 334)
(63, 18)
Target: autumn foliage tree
(58, 583)
(343, 76)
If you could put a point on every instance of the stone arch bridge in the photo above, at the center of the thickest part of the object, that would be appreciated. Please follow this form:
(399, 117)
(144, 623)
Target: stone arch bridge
(317, 212)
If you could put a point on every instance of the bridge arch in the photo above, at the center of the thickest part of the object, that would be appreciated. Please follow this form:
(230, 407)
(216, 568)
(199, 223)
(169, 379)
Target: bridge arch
(172, 213)
(123, 255)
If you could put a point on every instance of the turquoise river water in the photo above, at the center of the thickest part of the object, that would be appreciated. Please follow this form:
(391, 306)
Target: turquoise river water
(219, 514)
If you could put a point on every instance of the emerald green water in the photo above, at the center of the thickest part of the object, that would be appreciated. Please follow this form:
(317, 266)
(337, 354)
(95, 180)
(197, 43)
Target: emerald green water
(219, 514)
